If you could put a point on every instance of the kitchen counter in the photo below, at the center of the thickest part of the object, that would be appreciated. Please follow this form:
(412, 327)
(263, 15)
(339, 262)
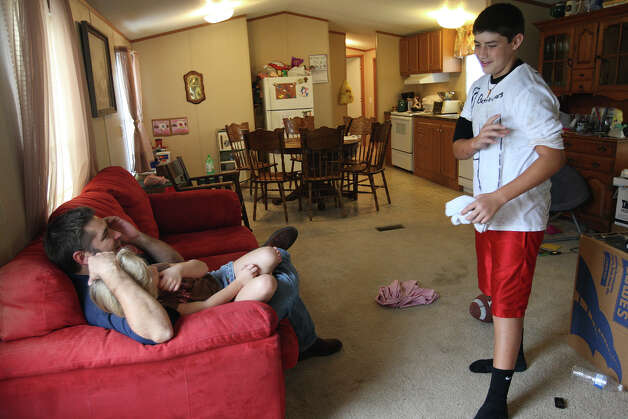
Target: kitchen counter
(452, 116)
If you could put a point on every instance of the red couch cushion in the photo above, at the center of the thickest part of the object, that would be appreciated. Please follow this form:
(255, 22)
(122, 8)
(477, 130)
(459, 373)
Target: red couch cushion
(193, 211)
(36, 297)
(94, 347)
(127, 191)
(199, 244)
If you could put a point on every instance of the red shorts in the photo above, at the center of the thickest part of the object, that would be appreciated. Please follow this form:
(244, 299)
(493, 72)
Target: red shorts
(506, 261)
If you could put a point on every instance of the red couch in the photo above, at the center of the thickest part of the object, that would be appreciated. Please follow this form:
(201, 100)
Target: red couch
(225, 362)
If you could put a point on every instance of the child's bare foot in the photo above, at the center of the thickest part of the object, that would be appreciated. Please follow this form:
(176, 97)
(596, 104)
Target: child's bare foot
(247, 273)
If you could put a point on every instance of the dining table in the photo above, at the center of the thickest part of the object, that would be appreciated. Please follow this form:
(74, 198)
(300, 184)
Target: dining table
(292, 145)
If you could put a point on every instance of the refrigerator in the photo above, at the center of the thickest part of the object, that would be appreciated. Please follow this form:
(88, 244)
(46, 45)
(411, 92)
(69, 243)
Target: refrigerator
(286, 97)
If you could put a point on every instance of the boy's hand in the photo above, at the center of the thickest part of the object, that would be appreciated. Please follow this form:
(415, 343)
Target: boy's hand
(170, 278)
(484, 207)
(128, 231)
(101, 266)
(489, 133)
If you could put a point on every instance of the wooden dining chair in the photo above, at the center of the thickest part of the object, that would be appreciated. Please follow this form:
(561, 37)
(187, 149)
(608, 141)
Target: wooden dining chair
(292, 126)
(322, 164)
(176, 172)
(362, 153)
(266, 160)
(372, 164)
(347, 120)
(238, 149)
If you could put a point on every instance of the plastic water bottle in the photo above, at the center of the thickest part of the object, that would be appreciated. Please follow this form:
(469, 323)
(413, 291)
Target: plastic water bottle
(209, 165)
(597, 379)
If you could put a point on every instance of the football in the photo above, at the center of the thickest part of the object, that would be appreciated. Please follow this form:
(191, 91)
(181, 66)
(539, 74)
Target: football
(480, 308)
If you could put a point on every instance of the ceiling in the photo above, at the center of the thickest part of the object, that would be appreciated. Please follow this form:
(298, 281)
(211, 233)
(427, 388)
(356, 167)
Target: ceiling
(358, 18)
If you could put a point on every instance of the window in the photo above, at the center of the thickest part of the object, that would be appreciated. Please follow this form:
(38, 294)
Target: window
(126, 120)
(473, 70)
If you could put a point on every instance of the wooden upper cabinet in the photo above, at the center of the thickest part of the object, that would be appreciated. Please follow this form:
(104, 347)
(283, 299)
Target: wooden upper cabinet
(428, 52)
(584, 43)
(611, 72)
(424, 52)
(435, 52)
(413, 54)
(403, 56)
(586, 53)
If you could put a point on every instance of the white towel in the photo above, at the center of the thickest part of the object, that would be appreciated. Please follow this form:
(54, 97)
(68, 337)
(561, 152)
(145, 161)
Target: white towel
(453, 208)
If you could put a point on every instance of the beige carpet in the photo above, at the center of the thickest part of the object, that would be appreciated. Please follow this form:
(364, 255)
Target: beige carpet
(413, 362)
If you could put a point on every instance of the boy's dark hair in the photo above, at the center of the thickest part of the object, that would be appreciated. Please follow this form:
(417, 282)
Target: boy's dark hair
(502, 18)
(65, 235)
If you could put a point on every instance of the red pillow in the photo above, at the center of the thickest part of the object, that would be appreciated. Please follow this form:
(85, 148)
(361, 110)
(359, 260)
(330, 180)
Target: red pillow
(127, 191)
(36, 297)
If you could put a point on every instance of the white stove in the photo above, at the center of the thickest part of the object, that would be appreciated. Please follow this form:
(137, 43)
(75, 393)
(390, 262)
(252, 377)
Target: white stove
(402, 140)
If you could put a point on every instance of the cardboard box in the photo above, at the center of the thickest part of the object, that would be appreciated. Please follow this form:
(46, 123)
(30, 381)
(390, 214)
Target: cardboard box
(599, 316)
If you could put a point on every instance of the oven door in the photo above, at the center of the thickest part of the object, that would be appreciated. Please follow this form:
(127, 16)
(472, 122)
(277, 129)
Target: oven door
(401, 137)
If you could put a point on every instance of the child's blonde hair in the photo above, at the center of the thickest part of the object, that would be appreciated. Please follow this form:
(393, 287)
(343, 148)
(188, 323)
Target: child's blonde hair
(136, 268)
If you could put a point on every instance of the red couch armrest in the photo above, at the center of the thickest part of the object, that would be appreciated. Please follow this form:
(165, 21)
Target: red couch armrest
(190, 211)
(80, 347)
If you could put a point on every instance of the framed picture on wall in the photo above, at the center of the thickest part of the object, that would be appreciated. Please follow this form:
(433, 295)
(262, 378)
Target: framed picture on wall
(97, 59)
(179, 126)
(161, 127)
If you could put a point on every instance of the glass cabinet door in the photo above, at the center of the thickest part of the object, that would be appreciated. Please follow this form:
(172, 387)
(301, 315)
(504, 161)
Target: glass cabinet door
(555, 66)
(612, 66)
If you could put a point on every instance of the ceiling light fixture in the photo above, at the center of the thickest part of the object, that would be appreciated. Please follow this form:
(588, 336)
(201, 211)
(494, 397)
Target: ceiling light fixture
(451, 18)
(218, 11)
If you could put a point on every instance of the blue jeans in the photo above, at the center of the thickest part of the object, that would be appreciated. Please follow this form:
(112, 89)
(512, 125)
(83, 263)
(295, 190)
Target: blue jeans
(286, 301)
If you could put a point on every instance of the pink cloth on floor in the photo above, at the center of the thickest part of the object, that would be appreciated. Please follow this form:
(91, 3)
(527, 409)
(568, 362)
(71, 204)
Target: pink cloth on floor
(405, 294)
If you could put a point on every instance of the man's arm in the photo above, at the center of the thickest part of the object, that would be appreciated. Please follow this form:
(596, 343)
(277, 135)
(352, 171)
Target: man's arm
(157, 249)
(144, 314)
(550, 161)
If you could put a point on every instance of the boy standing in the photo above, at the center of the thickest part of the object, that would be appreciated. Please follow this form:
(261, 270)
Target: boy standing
(509, 126)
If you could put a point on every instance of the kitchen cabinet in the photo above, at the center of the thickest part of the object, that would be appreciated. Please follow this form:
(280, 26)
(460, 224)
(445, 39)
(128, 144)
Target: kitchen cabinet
(403, 55)
(428, 52)
(598, 160)
(413, 55)
(423, 52)
(586, 53)
(433, 152)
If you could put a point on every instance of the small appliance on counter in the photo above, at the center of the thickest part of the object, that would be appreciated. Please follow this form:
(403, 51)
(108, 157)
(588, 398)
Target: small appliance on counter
(405, 102)
(447, 103)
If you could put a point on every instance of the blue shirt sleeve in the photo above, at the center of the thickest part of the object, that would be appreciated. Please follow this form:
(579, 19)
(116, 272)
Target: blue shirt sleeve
(97, 317)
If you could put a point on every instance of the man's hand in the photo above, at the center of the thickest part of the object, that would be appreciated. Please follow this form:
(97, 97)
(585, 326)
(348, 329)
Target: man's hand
(170, 278)
(128, 231)
(101, 266)
(489, 133)
(484, 207)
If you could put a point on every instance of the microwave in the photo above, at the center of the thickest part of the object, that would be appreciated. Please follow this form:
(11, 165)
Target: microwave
(446, 106)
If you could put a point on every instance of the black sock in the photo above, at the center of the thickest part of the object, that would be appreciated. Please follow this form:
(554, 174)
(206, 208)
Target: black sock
(495, 405)
(486, 365)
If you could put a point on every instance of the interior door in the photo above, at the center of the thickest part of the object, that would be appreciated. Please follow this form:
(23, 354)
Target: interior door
(354, 78)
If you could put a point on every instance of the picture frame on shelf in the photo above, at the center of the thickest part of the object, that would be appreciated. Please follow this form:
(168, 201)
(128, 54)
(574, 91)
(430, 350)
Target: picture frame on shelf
(97, 60)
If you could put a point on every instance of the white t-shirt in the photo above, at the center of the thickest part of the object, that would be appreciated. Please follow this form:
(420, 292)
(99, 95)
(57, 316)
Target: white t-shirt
(529, 110)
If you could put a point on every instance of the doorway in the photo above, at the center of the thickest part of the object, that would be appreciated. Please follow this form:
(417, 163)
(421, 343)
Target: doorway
(355, 78)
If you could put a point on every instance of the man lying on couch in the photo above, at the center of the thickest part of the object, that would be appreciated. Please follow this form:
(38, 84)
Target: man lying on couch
(76, 235)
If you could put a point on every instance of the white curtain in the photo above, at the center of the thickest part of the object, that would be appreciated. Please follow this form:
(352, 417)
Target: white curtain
(139, 149)
(122, 100)
(71, 151)
(41, 58)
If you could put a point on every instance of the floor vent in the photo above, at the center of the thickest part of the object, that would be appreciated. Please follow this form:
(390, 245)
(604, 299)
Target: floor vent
(390, 227)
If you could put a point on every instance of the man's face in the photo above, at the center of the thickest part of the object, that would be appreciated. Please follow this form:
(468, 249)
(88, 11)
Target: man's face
(495, 53)
(104, 238)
